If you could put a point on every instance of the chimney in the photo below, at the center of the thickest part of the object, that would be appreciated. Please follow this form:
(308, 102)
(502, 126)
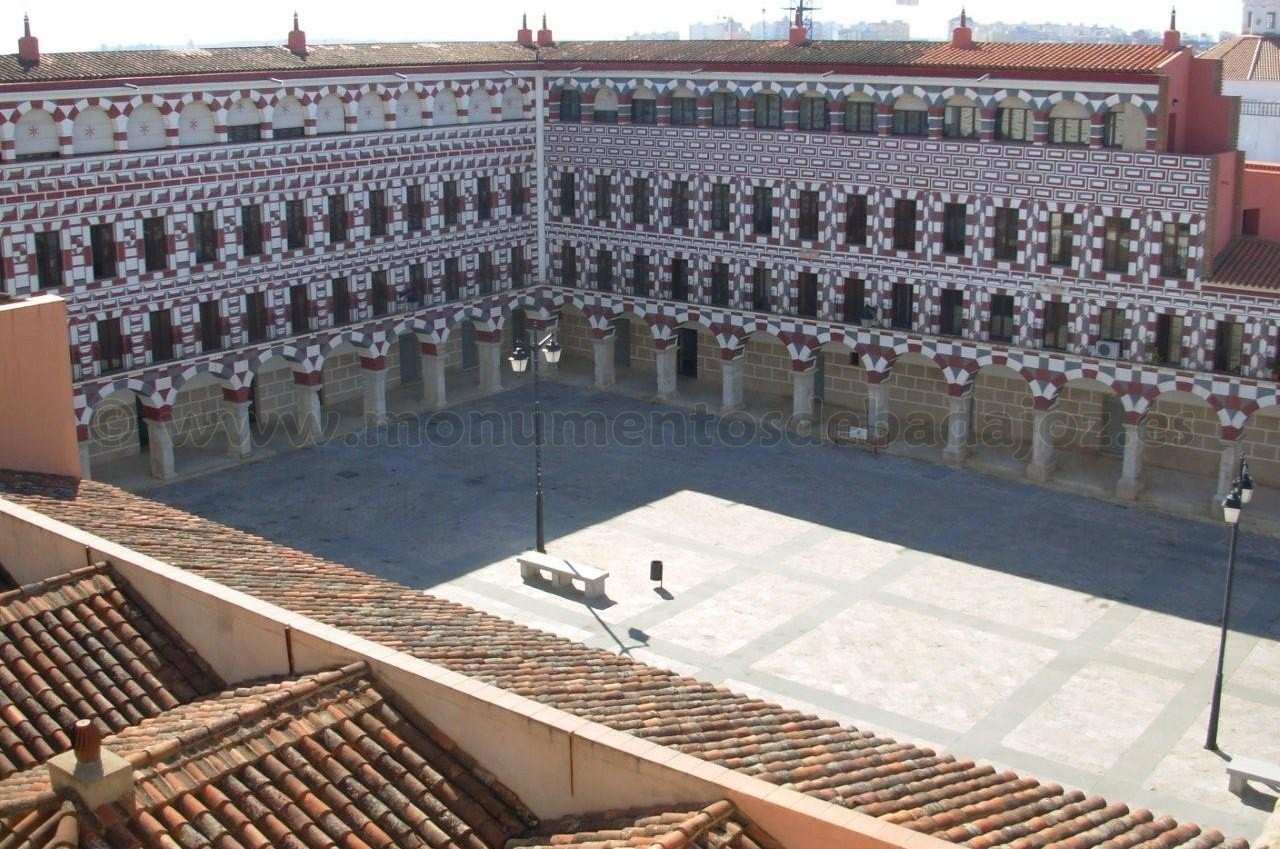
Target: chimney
(544, 34)
(798, 34)
(28, 45)
(962, 36)
(1173, 38)
(297, 40)
(98, 776)
(524, 35)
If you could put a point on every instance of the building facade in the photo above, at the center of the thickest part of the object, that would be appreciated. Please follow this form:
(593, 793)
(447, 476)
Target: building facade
(1251, 71)
(1042, 235)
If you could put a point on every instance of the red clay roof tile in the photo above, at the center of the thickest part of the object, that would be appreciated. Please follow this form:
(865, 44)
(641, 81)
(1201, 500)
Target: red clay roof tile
(320, 760)
(1250, 263)
(1248, 57)
(84, 646)
(134, 64)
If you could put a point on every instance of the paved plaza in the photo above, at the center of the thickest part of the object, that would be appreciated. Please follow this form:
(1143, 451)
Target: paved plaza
(1068, 638)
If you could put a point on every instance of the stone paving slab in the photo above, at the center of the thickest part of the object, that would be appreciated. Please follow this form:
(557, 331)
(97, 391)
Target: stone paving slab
(1054, 634)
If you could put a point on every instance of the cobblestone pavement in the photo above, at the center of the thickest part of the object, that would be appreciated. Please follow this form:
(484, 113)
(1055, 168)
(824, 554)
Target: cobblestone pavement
(1065, 637)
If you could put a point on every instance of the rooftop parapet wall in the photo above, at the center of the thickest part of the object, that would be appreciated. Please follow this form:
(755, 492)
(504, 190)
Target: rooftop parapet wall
(37, 417)
(556, 763)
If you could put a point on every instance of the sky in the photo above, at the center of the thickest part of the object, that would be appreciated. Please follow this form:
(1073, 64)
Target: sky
(63, 25)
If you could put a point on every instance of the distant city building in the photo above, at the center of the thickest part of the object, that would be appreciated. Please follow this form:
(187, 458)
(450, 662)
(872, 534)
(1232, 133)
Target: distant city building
(670, 35)
(1076, 33)
(877, 31)
(721, 30)
(779, 30)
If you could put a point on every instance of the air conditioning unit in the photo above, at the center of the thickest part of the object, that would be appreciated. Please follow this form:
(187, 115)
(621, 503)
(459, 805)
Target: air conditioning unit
(1110, 350)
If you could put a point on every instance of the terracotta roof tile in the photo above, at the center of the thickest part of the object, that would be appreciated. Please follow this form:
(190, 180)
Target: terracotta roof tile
(214, 60)
(84, 646)
(717, 826)
(1248, 57)
(1123, 58)
(316, 761)
(1249, 262)
(1115, 58)
(53, 826)
(937, 794)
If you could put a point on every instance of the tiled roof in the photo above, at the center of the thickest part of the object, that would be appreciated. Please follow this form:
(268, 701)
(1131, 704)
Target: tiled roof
(231, 60)
(1129, 58)
(84, 646)
(320, 761)
(956, 800)
(1248, 57)
(717, 826)
(54, 825)
(1249, 262)
(1111, 58)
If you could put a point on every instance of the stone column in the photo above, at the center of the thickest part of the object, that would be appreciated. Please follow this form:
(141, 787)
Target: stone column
(731, 382)
(306, 402)
(239, 432)
(1228, 465)
(160, 442)
(1130, 483)
(1041, 465)
(802, 394)
(665, 360)
(374, 373)
(878, 412)
(86, 464)
(490, 366)
(958, 437)
(602, 351)
(433, 386)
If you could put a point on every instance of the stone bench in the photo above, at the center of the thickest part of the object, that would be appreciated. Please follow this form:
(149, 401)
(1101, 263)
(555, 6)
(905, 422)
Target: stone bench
(1241, 770)
(562, 573)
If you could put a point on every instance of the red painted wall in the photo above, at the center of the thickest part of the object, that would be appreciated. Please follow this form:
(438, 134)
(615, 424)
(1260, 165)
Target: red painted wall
(1224, 216)
(1216, 116)
(1262, 192)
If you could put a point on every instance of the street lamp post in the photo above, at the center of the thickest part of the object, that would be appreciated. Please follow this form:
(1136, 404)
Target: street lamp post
(520, 359)
(1240, 495)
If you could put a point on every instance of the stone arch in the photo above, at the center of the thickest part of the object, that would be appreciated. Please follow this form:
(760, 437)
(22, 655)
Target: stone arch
(114, 432)
(371, 112)
(199, 414)
(606, 99)
(1089, 414)
(918, 401)
(1183, 432)
(479, 107)
(444, 108)
(1020, 123)
(92, 131)
(145, 127)
(288, 113)
(331, 114)
(513, 103)
(409, 108)
(195, 124)
(1003, 404)
(36, 135)
(1069, 108)
(243, 112)
(1131, 126)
